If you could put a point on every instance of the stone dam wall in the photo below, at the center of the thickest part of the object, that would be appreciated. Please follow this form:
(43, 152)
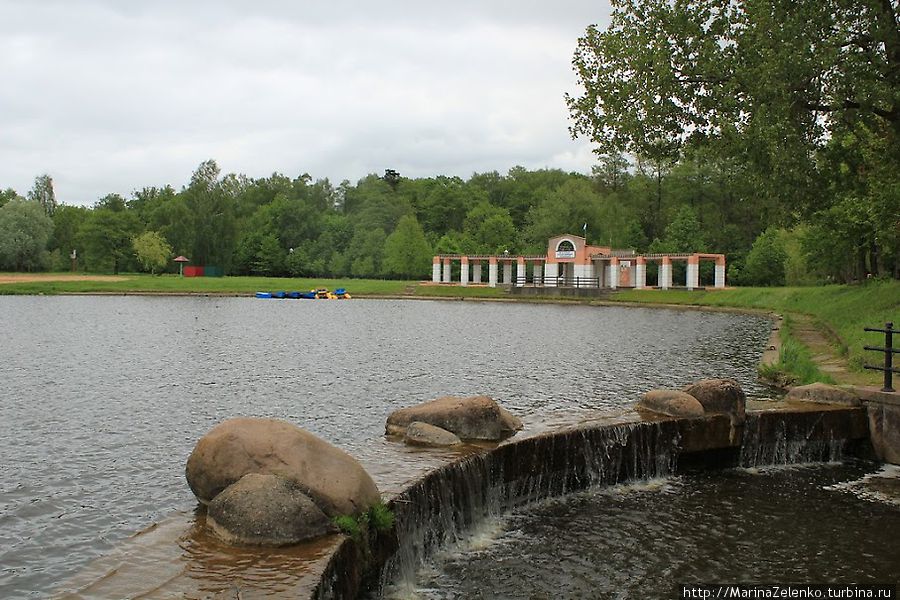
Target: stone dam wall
(440, 506)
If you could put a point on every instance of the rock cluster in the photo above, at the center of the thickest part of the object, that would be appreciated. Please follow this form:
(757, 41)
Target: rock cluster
(708, 396)
(269, 482)
(449, 420)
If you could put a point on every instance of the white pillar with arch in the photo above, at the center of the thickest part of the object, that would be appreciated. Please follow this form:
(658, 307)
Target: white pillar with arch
(613, 273)
(446, 270)
(520, 271)
(492, 272)
(720, 273)
(551, 272)
(665, 273)
(464, 271)
(640, 273)
(692, 273)
(436, 270)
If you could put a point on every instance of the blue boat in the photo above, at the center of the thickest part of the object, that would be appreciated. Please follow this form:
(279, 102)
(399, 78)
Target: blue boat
(263, 294)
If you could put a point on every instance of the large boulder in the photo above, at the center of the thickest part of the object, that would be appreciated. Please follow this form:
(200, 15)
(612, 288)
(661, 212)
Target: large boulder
(671, 402)
(423, 434)
(720, 396)
(264, 509)
(475, 418)
(823, 394)
(333, 479)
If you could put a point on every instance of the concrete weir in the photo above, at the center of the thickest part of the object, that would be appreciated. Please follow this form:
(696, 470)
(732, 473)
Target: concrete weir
(438, 507)
(448, 492)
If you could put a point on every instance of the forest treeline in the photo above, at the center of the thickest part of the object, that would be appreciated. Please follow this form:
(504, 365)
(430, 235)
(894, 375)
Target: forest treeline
(768, 131)
(391, 226)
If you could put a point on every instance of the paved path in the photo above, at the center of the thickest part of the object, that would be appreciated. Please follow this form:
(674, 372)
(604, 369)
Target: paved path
(825, 354)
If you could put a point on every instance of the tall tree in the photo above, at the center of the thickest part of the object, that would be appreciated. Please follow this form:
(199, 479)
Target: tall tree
(406, 251)
(211, 214)
(42, 193)
(768, 83)
(107, 235)
(24, 231)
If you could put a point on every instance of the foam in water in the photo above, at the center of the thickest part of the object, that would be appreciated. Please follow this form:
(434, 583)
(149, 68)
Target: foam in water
(440, 509)
(882, 486)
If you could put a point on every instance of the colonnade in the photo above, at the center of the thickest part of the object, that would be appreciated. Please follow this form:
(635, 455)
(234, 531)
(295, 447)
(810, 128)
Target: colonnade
(499, 271)
(692, 272)
(470, 270)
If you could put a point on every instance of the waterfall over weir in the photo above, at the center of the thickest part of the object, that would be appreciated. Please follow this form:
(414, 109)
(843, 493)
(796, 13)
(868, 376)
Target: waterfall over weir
(445, 503)
(440, 508)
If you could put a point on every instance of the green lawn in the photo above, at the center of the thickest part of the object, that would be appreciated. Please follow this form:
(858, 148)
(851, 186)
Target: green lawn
(173, 284)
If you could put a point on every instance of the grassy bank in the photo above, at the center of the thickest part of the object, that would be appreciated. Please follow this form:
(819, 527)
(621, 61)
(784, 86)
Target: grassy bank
(172, 284)
(842, 311)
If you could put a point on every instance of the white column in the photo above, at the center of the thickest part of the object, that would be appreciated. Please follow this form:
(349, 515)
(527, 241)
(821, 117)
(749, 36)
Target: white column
(720, 273)
(614, 273)
(464, 272)
(538, 276)
(520, 272)
(507, 272)
(436, 270)
(640, 275)
(665, 274)
(692, 277)
(476, 272)
(551, 272)
(492, 273)
(446, 270)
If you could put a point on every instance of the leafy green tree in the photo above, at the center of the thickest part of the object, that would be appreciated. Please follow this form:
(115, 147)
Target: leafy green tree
(489, 230)
(152, 251)
(365, 252)
(766, 84)
(7, 195)
(107, 234)
(406, 251)
(210, 216)
(25, 229)
(765, 262)
(42, 193)
(684, 234)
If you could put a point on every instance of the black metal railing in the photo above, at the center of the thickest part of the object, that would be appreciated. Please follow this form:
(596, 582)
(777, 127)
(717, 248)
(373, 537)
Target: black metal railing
(576, 282)
(888, 351)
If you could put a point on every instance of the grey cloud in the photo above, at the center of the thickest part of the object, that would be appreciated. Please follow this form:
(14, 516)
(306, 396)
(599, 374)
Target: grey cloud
(110, 96)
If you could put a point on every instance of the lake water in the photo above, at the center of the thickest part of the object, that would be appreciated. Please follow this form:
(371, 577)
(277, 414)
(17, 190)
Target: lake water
(103, 398)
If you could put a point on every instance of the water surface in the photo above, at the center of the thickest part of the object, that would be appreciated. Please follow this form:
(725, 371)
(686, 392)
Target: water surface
(103, 398)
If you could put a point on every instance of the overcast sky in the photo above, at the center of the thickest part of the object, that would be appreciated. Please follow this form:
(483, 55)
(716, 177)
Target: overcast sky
(114, 95)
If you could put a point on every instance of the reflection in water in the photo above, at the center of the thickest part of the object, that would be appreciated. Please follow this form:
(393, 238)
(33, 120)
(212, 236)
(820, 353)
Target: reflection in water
(198, 565)
(639, 540)
(106, 396)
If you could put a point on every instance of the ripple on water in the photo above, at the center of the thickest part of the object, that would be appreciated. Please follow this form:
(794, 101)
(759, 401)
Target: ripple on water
(107, 395)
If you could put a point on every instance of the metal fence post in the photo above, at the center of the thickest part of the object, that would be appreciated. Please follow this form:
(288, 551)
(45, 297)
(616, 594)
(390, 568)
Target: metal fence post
(888, 351)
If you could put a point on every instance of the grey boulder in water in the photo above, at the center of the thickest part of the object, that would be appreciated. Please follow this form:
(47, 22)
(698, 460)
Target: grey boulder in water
(474, 418)
(333, 479)
(423, 434)
(672, 403)
(720, 396)
(267, 510)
